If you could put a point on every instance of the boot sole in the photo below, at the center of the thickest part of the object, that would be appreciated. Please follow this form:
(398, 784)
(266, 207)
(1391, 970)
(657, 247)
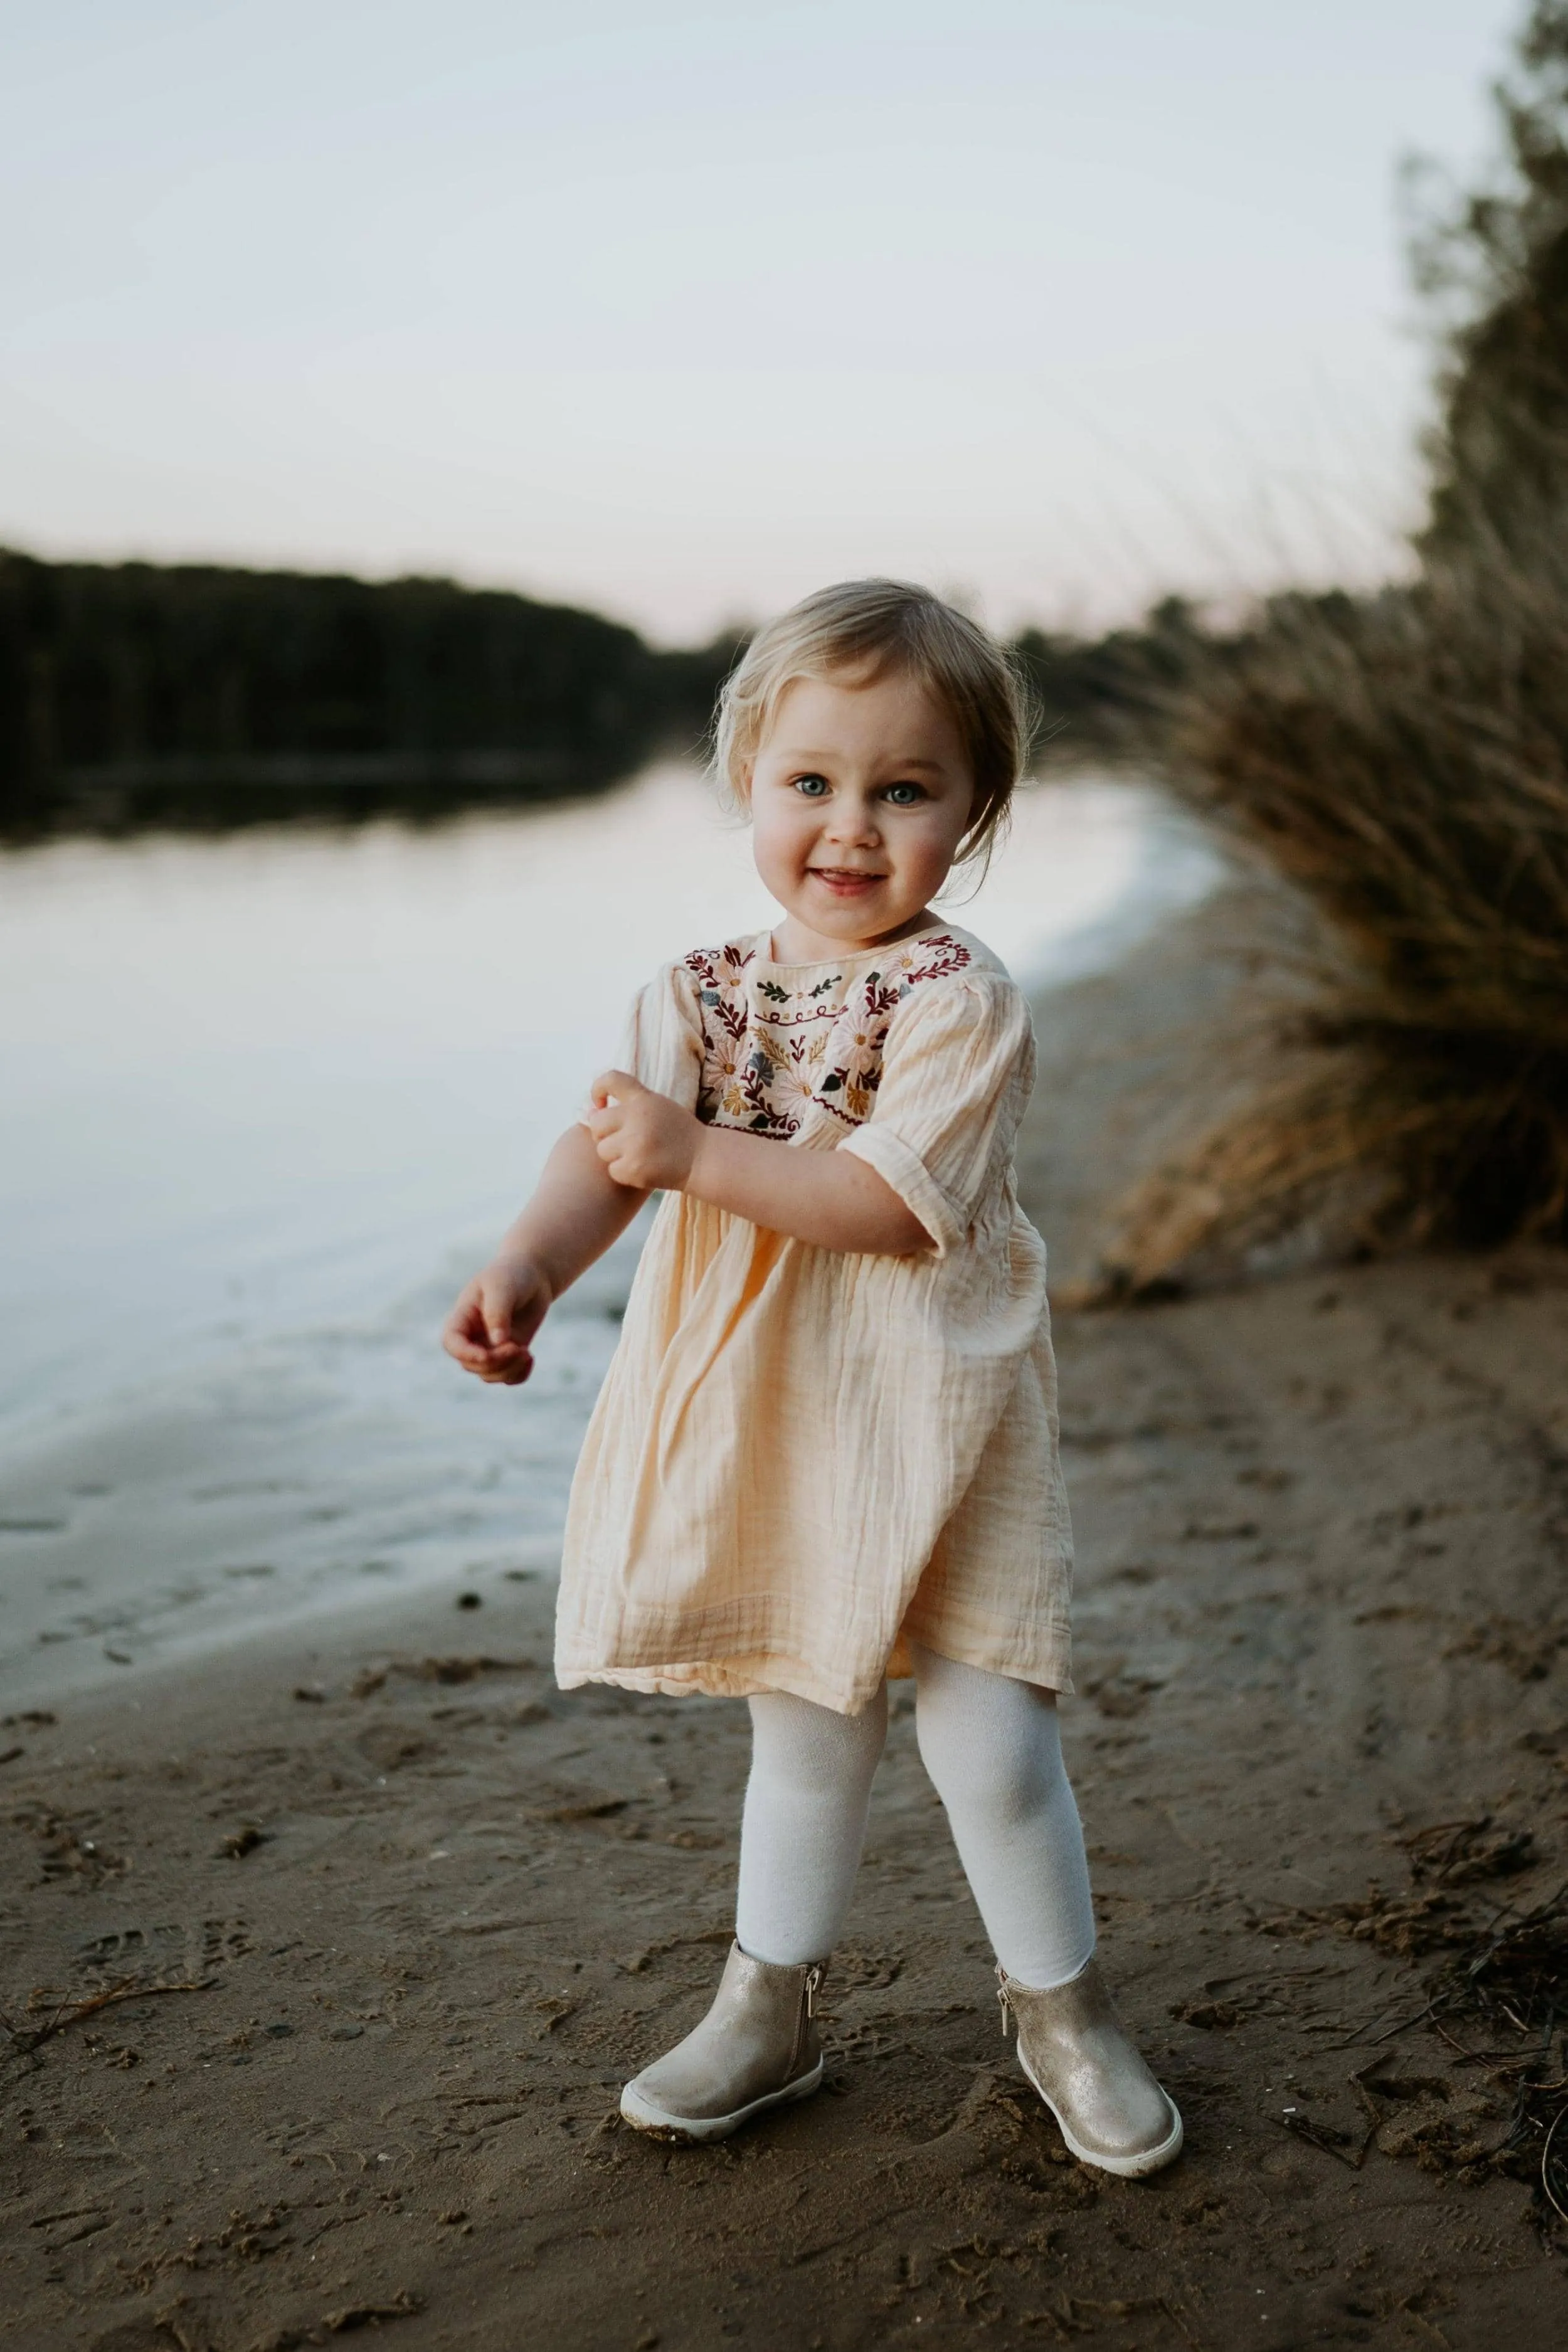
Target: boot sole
(690, 2130)
(1126, 2168)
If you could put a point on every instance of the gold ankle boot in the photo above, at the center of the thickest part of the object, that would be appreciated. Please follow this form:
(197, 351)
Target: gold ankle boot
(1076, 2050)
(757, 2047)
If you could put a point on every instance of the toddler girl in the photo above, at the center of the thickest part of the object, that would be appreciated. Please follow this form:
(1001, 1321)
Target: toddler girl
(826, 1451)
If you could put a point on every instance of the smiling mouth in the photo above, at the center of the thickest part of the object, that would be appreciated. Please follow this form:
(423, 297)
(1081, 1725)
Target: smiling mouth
(844, 878)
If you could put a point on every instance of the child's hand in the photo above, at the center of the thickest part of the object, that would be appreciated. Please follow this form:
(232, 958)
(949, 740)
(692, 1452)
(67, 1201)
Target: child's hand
(646, 1141)
(496, 1317)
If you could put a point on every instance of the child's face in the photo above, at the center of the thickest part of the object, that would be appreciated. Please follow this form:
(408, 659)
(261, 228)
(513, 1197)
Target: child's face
(860, 795)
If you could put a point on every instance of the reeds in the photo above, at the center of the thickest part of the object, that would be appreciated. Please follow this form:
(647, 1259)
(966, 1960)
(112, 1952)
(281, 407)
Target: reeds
(1402, 761)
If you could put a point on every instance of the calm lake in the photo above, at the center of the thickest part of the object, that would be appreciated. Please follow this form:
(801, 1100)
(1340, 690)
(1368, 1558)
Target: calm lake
(264, 1098)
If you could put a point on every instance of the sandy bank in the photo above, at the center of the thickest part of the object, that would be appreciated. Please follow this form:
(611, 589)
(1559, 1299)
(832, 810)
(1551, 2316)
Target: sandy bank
(431, 1911)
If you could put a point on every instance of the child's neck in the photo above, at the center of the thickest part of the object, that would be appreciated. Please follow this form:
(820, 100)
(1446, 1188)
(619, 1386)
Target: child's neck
(796, 942)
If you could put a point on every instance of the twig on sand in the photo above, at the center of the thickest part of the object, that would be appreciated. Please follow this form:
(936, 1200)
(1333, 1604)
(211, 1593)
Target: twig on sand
(1551, 2194)
(24, 2038)
(1331, 2142)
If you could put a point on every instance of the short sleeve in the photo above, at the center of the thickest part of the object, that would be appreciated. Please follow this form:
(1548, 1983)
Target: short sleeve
(662, 1041)
(957, 1069)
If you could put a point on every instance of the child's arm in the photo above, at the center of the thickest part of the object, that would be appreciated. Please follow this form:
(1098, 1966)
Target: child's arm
(576, 1212)
(828, 1198)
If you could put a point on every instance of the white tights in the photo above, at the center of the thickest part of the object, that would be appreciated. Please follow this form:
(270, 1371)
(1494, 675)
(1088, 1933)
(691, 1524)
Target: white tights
(993, 1749)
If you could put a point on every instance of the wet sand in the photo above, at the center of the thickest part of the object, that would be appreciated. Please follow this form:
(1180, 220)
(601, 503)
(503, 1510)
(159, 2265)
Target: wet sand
(415, 1914)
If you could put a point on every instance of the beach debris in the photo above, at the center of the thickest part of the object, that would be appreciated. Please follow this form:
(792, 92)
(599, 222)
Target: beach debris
(1528, 1652)
(1446, 1855)
(239, 1842)
(1070, 2315)
(1553, 1744)
(555, 2008)
(1554, 2166)
(92, 2219)
(1117, 1689)
(9, 1755)
(371, 2314)
(1495, 1992)
(312, 1694)
(1211, 2016)
(370, 1679)
(1459, 1853)
(1496, 1995)
(1405, 1924)
(25, 2037)
(336, 2323)
(1125, 1695)
(68, 1848)
(35, 1717)
(471, 1600)
(388, 1747)
(1342, 2146)
(1514, 1973)
(583, 1809)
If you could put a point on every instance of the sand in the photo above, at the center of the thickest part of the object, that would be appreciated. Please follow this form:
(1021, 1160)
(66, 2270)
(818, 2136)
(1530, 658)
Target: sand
(414, 1915)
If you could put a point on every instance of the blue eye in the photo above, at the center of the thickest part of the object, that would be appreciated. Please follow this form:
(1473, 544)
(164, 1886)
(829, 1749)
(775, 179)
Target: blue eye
(812, 787)
(905, 795)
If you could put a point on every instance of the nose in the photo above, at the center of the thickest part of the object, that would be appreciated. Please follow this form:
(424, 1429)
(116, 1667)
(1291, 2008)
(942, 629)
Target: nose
(853, 818)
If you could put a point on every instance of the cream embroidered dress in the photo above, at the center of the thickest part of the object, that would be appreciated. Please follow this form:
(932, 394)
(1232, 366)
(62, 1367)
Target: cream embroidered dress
(801, 1456)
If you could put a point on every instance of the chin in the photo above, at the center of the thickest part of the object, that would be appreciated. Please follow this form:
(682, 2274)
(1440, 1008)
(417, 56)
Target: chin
(864, 906)
(853, 922)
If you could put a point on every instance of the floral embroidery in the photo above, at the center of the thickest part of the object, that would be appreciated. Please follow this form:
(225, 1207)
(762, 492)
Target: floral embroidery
(772, 1054)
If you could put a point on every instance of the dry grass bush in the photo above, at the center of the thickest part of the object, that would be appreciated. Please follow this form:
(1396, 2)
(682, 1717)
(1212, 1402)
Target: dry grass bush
(1402, 760)
(1405, 763)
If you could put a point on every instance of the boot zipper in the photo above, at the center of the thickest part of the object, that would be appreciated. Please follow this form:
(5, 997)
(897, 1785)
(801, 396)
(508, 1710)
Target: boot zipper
(1006, 2006)
(813, 1979)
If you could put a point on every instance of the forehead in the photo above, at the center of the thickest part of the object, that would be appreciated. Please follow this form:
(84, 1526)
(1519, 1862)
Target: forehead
(888, 710)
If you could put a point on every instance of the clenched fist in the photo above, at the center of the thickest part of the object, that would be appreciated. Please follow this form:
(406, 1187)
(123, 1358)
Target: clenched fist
(490, 1330)
(646, 1141)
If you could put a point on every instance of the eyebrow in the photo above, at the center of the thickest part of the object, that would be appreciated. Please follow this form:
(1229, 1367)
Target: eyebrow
(801, 759)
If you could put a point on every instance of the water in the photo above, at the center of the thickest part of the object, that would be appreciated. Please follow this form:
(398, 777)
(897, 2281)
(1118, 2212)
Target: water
(265, 1100)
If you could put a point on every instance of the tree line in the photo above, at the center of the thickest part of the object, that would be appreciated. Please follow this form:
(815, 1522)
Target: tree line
(204, 695)
(201, 695)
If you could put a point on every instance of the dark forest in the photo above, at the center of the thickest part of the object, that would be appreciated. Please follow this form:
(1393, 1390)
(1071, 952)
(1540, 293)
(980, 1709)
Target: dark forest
(138, 694)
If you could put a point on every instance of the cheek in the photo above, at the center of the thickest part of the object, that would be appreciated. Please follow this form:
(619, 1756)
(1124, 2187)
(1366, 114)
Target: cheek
(928, 848)
(782, 830)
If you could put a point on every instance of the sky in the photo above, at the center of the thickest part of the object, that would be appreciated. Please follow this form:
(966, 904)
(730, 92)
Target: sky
(678, 311)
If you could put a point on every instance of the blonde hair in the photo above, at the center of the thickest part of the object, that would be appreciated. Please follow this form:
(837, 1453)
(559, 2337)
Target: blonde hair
(874, 627)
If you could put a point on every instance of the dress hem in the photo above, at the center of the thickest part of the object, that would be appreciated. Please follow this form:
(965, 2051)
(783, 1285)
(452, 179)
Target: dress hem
(721, 1678)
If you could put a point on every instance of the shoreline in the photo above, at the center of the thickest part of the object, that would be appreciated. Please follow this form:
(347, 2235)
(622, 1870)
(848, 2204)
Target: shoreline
(418, 1913)
(432, 1912)
(346, 1467)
